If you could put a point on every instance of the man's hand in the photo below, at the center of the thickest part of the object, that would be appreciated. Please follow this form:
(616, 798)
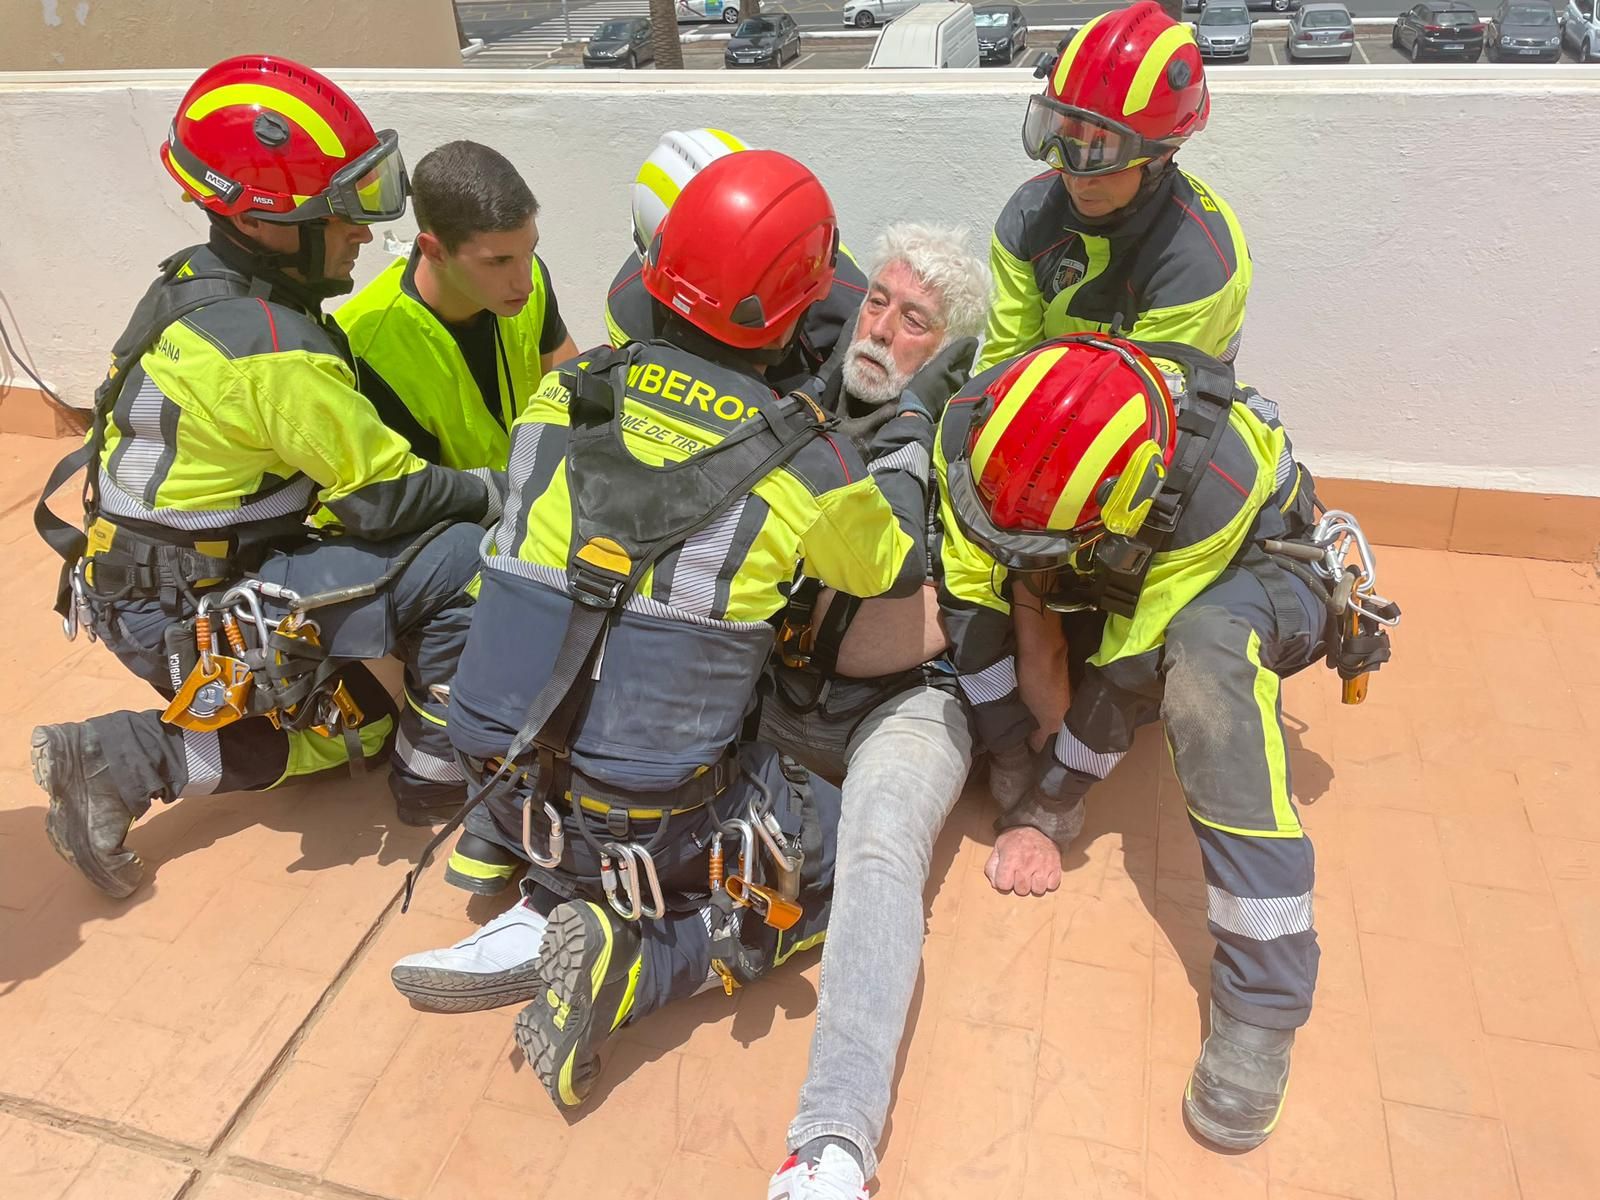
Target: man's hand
(941, 377)
(1024, 862)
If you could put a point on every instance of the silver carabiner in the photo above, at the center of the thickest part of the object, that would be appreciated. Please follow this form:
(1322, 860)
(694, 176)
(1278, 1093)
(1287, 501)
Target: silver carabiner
(247, 595)
(786, 863)
(652, 903)
(626, 868)
(555, 844)
(747, 844)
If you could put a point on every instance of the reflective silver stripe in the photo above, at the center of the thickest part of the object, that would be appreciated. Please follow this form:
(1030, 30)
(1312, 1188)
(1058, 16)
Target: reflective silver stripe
(202, 762)
(292, 498)
(912, 459)
(557, 580)
(1260, 919)
(524, 450)
(1285, 467)
(1266, 409)
(139, 457)
(1231, 351)
(424, 765)
(992, 683)
(486, 474)
(1079, 757)
(694, 579)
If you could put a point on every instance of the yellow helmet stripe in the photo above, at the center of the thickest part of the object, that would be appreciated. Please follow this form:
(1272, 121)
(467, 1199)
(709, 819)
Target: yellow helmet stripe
(1091, 468)
(1007, 411)
(659, 182)
(1059, 79)
(1155, 62)
(193, 184)
(292, 107)
(727, 139)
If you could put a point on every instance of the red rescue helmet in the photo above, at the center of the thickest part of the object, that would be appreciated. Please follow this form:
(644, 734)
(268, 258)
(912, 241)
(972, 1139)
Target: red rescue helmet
(748, 245)
(1129, 87)
(264, 135)
(1071, 441)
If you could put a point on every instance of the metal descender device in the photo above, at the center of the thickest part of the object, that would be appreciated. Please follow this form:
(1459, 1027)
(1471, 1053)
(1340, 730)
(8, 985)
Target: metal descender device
(1338, 554)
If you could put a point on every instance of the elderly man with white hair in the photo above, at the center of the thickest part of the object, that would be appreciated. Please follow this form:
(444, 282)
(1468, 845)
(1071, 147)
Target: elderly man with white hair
(861, 691)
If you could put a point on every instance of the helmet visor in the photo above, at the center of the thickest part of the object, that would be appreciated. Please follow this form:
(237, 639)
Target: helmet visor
(1081, 142)
(1015, 549)
(373, 187)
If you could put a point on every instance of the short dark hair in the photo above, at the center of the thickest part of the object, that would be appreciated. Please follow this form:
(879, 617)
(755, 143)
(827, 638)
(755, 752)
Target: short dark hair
(463, 189)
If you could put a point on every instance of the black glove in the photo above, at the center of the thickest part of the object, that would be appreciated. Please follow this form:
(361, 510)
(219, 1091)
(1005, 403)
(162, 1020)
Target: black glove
(1012, 774)
(861, 430)
(940, 378)
(1054, 805)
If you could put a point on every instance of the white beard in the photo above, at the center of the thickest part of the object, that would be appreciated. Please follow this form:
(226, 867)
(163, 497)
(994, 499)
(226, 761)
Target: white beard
(869, 386)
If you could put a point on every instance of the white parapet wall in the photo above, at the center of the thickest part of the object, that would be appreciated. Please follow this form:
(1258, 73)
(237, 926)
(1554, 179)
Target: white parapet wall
(1426, 306)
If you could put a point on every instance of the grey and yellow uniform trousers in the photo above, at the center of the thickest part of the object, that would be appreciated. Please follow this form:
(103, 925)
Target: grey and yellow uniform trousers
(1216, 688)
(422, 619)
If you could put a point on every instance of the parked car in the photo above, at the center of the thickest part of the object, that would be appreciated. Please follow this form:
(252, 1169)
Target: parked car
(1002, 32)
(1277, 6)
(767, 41)
(624, 43)
(864, 14)
(1439, 29)
(1580, 29)
(1223, 31)
(1322, 32)
(692, 11)
(1523, 32)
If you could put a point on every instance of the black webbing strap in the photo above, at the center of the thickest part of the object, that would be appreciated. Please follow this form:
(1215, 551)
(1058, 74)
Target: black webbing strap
(600, 471)
(68, 541)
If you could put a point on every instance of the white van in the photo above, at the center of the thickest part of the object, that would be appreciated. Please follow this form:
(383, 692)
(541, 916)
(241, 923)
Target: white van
(936, 34)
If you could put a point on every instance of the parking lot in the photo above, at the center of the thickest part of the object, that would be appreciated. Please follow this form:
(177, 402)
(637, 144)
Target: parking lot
(702, 50)
(546, 45)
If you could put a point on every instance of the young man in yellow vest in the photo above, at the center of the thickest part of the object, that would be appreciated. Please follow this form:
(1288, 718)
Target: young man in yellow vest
(451, 342)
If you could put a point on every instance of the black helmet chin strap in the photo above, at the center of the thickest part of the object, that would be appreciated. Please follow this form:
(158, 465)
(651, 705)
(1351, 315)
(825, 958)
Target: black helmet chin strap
(308, 259)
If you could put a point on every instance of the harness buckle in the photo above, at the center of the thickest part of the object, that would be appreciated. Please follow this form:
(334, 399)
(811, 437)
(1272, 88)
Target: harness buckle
(595, 591)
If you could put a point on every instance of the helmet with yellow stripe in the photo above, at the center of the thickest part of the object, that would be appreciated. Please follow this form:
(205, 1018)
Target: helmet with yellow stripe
(1128, 88)
(1069, 443)
(677, 158)
(263, 135)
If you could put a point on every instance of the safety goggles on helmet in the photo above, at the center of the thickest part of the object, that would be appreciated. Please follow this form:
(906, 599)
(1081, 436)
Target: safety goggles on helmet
(370, 188)
(1081, 142)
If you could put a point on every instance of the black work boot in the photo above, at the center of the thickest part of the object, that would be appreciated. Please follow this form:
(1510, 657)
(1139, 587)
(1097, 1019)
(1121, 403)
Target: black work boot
(479, 866)
(1235, 1093)
(590, 963)
(88, 818)
(428, 806)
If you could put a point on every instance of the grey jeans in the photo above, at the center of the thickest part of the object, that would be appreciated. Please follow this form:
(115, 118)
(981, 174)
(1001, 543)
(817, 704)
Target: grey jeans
(903, 765)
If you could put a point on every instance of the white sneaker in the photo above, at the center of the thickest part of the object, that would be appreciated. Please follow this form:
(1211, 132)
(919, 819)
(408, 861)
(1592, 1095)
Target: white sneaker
(495, 966)
(836, 1176)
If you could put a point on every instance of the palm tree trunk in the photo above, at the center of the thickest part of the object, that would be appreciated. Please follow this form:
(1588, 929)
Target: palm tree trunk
(664, 36)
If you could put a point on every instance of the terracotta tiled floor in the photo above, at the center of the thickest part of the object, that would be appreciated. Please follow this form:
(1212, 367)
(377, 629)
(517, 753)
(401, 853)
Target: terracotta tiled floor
(230, 1032)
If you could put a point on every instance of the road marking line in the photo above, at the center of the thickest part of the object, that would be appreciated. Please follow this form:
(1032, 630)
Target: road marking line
(796, 63)
(1273, 50)
(1363, 51)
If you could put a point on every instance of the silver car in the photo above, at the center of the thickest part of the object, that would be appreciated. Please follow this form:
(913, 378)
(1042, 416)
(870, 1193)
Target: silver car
(864, 14)
(1321, 31)
(1223, 31)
